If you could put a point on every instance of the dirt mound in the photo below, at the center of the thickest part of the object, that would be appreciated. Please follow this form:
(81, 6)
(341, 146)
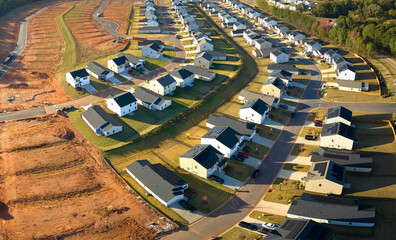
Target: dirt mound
(64, 133)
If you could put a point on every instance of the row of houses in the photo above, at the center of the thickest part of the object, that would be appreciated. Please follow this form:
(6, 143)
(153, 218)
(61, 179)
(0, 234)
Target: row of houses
(292, 4)
(150, 22)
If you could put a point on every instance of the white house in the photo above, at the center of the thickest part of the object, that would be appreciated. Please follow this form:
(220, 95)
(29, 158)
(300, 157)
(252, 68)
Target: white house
(230, 19)
(119, 64)
(152, 23)
(135, 62)
(255, 111)
(351, 86)
(346, 72)
(150, 99)
(283, 75)
(312, 45)
(295, 36)
(122, 103)
(261, 43)
(163, 85)
(78, 78)
(98, 71)
(330, 55)
(339, 114)
(205, 45)
(268, 22)
(225, 139)
(339, 62)
(100, 121)
(337, 135)
(182, 76)
(152, 51)
(279, 56)
(238, 26)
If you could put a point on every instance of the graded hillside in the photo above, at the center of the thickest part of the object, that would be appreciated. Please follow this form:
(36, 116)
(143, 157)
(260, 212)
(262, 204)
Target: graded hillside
(119, 13)
(55, 185)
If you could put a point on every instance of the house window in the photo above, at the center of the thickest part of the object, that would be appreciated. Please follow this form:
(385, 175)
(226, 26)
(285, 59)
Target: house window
(196, 167)
(320, 184)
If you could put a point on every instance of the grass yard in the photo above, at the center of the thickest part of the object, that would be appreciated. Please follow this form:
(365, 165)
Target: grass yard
(315, 131)
(301, 79)
(295, 91)
(296, 167)
(185, 96)
(387, 71)
(267, 132)
(267, 217)
(169, 53)
(238, 233)
(279, 115)
(250, 148)
(306, 150)
(284, 191)
(290, 103)
(238, 170)
(317, 113)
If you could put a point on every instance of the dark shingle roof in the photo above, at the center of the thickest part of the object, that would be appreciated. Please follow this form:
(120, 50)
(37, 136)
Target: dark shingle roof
(277, 52)
(242, 127)
(332, 208)
(120, 60)
(277, 82)
(181, 73)
(286, 67)
(166, 80)
(148, 96)
(199, 71)
(148, 42)
(339, 112)
(97, 68)
(79, 73)
(249, 95)
(346, 67)
(300, 229)
(157, 178)
(206, 155)
(282, 74)
(257, 105)
(153, 46)
(346, 158)
(124, 98)
(327, 170)
(204, 55)
(338, 128)
(98, 117)
(131, 58)
(226, 135)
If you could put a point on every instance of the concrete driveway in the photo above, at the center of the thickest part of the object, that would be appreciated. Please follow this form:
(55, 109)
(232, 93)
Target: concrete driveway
(251, 161)
(127, 76)
(308, 142)
(114, 80)
(229, 182)
(90, 88)
(269, 123)
(165, 59)
(298, 160)
(293, 175)
(190, 217)
(272, 207)
(262, 141)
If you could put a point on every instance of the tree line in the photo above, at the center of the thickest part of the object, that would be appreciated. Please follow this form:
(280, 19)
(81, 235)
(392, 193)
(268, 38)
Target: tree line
(8, 5)
(362, 26)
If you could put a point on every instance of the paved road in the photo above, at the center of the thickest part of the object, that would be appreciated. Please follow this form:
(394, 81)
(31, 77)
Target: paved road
(110, 26)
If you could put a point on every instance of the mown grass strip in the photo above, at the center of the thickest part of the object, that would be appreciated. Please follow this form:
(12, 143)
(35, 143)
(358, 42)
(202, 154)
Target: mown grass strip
(70, 53)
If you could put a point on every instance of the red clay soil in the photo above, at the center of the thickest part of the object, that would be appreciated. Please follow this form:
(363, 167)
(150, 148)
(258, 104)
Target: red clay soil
(119, 13)
(54, 184)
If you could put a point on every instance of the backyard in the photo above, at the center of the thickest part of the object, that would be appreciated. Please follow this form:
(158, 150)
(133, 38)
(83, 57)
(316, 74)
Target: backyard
(238, 170)
(267, 217)
(283, 191)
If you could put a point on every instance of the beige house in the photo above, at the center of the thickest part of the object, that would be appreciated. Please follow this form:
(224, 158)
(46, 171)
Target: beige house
(339, 114)
(325, 177)
(202, 160)
(337, 135)
(274, 87)
(163, 85)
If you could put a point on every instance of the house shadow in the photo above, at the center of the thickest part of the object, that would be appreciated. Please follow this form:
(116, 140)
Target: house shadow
(4, 212)
(365, 76)
(233, 58)
(225, 67)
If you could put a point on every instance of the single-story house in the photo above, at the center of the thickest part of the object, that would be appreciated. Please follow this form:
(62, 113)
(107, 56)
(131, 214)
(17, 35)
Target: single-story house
(246, 95)
(159, 181)
(150, 30)
(163, 85)
(278, 56)
(202, 160)
(152, 51)
(100, 121)
(150, 99)
(203, 60)
(244, 128)
(325, 177)
(337, 135)
(182, 76)
(122, 103)
(286, 67)
(332, 210)
(274, 87)
(225, 139)
(98, 71)
(78, 78)
(339, 114)
(218, 56)
(201, 73)
(352, 86)
(119, 64)
(255, 110)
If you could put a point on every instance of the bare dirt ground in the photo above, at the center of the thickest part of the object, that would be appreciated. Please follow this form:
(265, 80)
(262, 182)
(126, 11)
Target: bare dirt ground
(30, 81)
(118, 12)
(54, 185)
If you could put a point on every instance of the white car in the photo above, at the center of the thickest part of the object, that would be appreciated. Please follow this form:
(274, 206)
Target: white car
(269, 225)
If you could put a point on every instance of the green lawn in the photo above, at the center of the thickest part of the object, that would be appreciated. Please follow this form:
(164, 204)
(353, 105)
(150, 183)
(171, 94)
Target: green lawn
(250, 148)
(279, 115)
(306, 150)
(267, 217)
(295, 91)
(290, 103)
(237, 233)
(284, 193)
(317, 113)
(315, 131)
(267, 132)
(169, 53)
(185, 96)
(296, 167)
(238, 170)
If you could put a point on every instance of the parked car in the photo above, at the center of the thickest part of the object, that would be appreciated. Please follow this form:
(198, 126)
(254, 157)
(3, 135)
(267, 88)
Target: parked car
(186, 205)
(269, 225)
(293, 115)
(322, 61)
(263, 230)
(243, 154)
(248, 225)
(318, 124)
(283, 106)
(216, 179)
(310, 137)
(318, 121)
(255, 173)
(309, 55)
(238, 158)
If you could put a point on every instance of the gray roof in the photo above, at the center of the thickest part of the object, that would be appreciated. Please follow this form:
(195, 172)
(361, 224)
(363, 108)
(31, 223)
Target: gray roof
(332, 208)
(204, 55)
(339, 59)
(206, 155)
(131, 58)
(277, 52)
(204, 40)
(79, 73)
(242, 127)
(226, 135)
(286, 67)
(145, 29)
(339, 112)
(156, 177)
(154, 46)
(249, 95)
(338, 128)
(97, 68)
(277, 82)
(99, 118)
(148, 42)
(199, 71)
(327, 170)
(180, 73)
(311, 42)
(257, 105)
(148, 96)
(282, 75)
(217, 54)
(300, 229)
(124, 98)
(350, 84)
(346, 158)
(166, 80)
(346, 67)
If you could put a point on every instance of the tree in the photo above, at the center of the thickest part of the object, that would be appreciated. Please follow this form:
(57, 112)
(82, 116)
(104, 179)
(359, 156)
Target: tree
(321, 31)
(373, 10)
(333, 34)
(368, 33)
(370, 49)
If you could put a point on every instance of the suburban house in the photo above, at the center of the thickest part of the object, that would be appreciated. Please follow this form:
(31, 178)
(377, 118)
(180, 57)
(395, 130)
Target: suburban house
(299, 229)
(283, 75)
(263, 53)
(312, 45)
(182, 76)
(255, 110)
(150, 99)
(346, 72)
(152, 23)
(163, 85)
(191, 26)
(261, 43)
(286, 67)
(251, 37)
(144, 43)
(98, 71)
(225, 139)
(238, 26)
(203, 60)
(280, 28)
(244, 128)
(339, 62)
(353, 161)
(218, 56)
(295, 36)
(321, 52)
(337, 135)
(100, 121)
(78, 78)
(229, 19)
(274, 87)
(135, 62)
(202, 160)
(201, 73)
(119, 64)
(246, 95)
(268, 22)
(150, 30)
(351, 86)
(332, 210)
(330, 55)
(227, 25)
(157, 180)
(237, 33)
(325, 177)
(122, 103)
(339, 114)
(152, 51)
(278, 56)
(205, 45)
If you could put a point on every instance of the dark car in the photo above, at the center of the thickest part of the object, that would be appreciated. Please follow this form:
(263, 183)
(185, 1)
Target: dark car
(263, 230)
(309, 55)
(318, 124)
(322, 61)
(216, 179)
(243, 154)
(186, 205)
(283, 106)
(310, 137)
(293, 115)
(248, 225)
(238, 158)
(255, 173)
